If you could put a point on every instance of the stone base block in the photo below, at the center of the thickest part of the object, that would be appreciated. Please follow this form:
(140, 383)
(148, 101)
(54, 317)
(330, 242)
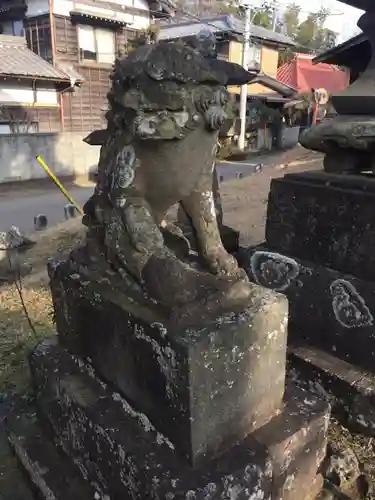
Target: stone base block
(122, 455)
(324, 218)
(204, 387)
(327, 309)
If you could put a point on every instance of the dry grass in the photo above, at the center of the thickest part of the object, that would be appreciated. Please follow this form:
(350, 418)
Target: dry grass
(17, 338)
(59, 239)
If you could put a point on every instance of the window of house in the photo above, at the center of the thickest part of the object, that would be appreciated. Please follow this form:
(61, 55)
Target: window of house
(96, 44)
(222, 50)
(39, 40)
(254, 56)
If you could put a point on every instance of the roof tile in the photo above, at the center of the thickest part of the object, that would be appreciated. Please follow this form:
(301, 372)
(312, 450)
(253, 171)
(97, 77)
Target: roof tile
(220, 24)
(302, 74)
(17, 60)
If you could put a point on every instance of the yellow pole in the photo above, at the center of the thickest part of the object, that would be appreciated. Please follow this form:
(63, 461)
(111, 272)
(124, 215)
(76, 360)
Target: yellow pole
(41, 162)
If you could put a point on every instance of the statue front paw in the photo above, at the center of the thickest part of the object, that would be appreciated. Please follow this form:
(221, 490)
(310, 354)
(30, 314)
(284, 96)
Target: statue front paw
(221, 263)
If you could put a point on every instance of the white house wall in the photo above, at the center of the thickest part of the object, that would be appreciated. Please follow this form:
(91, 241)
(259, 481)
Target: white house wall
(23, 94)
(64, 7)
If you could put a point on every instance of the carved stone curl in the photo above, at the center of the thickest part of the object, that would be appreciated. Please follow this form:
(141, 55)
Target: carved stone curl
(167, 103)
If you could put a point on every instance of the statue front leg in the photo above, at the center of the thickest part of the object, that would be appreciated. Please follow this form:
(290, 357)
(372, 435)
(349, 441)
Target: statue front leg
(200, 207)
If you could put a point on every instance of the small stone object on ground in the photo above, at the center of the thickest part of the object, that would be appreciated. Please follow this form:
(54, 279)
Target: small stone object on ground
(70, 211)
(13, 238)
(341, 468)
(362, 414)
(40, 222)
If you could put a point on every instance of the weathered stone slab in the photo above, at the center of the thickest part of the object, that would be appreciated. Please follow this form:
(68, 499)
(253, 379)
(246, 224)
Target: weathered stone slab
(327, 309)
(52, 476)
(13, 484)
(206, 387)
(324, 218)
(123, 456)
(350, 388)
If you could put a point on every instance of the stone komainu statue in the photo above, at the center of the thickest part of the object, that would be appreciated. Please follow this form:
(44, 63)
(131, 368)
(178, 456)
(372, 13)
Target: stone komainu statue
(166, 105)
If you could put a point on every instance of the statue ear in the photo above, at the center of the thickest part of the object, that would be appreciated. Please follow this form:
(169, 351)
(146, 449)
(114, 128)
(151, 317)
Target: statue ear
(96, 138)
(236, 74)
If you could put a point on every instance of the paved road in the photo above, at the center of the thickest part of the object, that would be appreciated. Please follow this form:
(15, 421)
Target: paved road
(20, 211)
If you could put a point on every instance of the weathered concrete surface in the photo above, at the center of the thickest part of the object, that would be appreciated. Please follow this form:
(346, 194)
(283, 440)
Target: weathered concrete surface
(326, 219)
(240, 357)
(327, 309)
(120, 452)
(65, 153)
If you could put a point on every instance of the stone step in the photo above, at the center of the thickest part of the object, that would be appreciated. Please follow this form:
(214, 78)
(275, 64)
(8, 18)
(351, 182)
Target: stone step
(13, 483)
(350, 388)
(51, 473)
(126, 457)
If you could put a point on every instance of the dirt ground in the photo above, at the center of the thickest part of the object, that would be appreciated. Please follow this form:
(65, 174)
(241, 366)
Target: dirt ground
(245, 200)
(244, 205)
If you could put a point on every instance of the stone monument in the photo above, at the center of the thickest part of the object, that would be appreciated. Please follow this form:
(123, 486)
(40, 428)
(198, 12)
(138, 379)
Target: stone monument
(167, 378)
(320, 236)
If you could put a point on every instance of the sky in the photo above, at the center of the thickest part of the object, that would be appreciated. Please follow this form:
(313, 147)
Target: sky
(344, 23)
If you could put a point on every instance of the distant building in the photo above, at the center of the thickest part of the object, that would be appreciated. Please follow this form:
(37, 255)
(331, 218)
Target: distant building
(302, 74)
(228, 31)
(81, 39)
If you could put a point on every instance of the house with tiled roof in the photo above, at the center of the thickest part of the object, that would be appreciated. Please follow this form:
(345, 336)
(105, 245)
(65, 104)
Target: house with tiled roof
(302, 74)
(79, 39)
(228, 31)
(30, 88)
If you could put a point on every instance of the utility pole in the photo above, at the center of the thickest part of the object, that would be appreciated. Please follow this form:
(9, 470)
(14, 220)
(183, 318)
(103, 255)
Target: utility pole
(245, 52)
(274, 15)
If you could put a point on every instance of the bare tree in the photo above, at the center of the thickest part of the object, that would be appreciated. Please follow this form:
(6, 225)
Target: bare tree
(18, 118)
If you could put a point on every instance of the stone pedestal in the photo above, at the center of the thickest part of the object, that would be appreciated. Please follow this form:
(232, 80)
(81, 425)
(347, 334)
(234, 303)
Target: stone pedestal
(320, 236)
(319, 252)
(144, 410)
(320, 241)
(203, 387)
